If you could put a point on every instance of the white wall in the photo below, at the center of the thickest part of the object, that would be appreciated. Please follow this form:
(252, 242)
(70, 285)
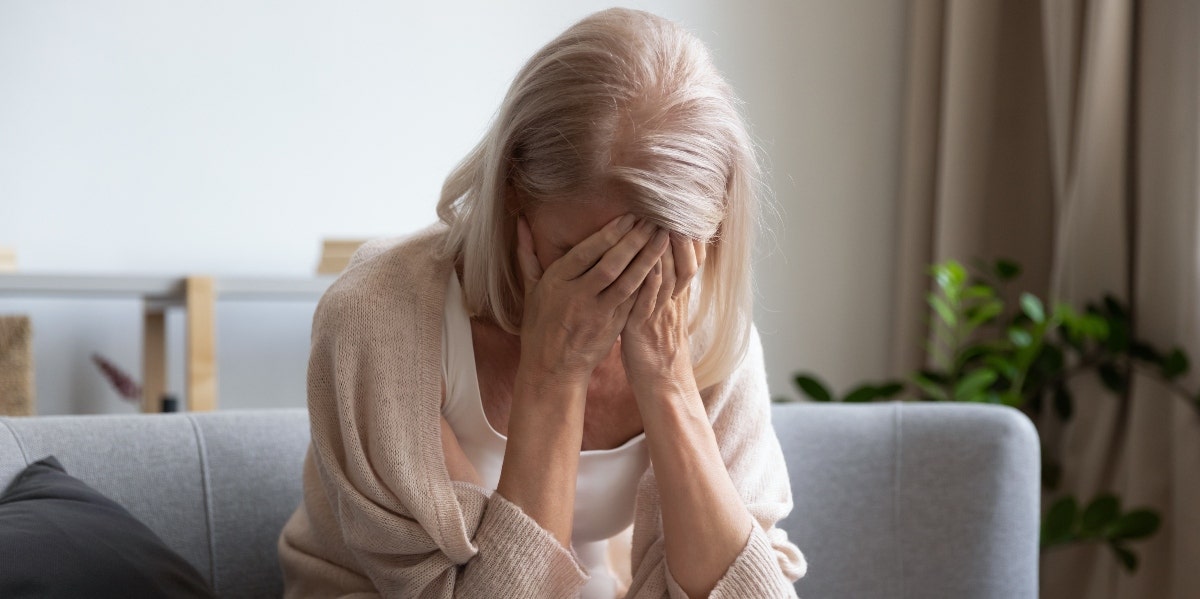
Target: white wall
(823, 84)
(230, 137)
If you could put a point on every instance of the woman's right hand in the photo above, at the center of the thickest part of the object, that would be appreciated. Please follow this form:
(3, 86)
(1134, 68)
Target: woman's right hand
(575, 310)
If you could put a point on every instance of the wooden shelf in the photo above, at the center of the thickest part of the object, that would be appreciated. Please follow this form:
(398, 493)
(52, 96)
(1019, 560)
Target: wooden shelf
(162, 288)
(84, 286)
(196, 294)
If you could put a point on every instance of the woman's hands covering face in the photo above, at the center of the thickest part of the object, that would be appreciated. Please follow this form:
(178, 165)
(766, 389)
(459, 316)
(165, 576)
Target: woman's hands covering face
(654, 343)
(575, 309)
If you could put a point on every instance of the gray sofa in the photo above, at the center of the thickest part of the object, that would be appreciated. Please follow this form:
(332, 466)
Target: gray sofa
(892, 500)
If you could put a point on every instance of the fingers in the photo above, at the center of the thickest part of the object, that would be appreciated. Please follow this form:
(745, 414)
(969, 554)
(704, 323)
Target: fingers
(531, 269)
(634, 272)
(688, 256)
(624, 310)
(647, 294)
(619, 257)
(666, 289)
(588, 252)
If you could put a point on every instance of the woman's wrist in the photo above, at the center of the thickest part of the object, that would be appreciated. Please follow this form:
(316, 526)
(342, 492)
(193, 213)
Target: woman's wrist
(541, 458)
(705, 523)
(664, 376)
(534, 383)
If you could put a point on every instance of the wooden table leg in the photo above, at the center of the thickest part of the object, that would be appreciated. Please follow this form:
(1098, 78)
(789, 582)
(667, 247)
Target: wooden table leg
(154, 358)
(200, 306)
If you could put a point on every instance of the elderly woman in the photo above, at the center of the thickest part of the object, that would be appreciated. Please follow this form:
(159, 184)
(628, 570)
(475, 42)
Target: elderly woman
(496, 399)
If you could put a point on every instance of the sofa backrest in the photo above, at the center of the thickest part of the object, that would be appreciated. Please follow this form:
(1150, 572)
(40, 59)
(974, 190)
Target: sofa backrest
(891, 500)
(913, 500)
(217, 487)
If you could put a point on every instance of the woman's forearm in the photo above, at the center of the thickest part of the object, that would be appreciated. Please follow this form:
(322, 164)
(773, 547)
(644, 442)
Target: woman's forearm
(705, 524)
(541, 461)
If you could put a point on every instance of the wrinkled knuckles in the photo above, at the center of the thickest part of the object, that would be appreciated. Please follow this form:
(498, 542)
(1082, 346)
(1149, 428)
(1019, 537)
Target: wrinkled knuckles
(607, 273)
(612, 236)
(624, 289)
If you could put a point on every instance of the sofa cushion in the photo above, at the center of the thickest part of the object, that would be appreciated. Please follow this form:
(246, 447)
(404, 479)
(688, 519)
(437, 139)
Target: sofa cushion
(61, 538)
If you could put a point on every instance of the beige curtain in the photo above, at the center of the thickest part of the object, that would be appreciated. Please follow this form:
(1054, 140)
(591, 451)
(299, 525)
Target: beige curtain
(1066, 134)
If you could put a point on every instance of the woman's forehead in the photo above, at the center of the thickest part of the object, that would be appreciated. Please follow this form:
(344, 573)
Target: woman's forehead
(572, 222)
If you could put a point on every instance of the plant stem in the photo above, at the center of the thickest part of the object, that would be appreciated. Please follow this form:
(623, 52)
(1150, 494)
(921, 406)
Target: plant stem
(1176, 388)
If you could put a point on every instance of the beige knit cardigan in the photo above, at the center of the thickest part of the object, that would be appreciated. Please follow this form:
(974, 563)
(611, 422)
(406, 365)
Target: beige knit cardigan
(380, 515)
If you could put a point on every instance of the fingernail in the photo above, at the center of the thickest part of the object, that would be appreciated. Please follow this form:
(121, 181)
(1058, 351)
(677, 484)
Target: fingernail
(626, 222)
(661, 237)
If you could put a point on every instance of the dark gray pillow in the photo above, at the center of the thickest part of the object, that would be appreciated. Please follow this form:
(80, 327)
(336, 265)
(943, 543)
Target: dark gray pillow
(61, 538)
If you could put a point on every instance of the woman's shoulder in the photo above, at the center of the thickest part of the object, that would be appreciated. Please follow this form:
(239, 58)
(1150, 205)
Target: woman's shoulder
(388, 278)
(745, 388)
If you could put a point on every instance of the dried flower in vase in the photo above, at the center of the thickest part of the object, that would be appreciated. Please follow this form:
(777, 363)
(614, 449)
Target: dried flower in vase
(124, 384)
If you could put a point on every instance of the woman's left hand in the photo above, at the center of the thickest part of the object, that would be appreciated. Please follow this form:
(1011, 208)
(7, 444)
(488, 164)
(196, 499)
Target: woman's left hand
(705, 525)
(654, 343)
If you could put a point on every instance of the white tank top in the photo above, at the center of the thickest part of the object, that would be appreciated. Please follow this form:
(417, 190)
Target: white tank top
(605, 487)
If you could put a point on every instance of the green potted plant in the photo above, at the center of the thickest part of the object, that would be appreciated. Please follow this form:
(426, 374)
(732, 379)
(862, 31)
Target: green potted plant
(1024, 356)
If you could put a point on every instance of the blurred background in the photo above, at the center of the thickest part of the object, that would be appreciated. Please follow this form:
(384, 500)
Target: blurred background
(230, 138)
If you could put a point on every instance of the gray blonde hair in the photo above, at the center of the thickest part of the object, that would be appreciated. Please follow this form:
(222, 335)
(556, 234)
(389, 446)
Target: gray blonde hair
(629, 101)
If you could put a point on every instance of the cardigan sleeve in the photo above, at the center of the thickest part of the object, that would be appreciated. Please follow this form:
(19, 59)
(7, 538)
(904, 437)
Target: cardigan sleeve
(409, 529)
(740, 412)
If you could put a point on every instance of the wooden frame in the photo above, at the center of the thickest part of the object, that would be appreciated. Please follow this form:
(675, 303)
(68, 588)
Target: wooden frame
(197, 295)
(199, 306)
(154, 357)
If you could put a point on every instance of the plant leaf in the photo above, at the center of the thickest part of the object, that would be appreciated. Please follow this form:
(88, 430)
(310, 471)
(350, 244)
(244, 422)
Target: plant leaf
(1063, 312)
(1115, 307)
(1127, 557)
(950, 277)
(1146, 353)
(934, 376)
(958, 274)
(1095, 327)
(1175, 365)
(1072, 336)
(889, 389)
(1113, 378)
(932, 388)
(979, 292)
(1001, 364)
(1100, 514)
(1118, 337)
(862, 394)
(1012, 398)
(1007, 270)
(1059, 521)
(1064, 407)
(986, 312)
(1137, 524)
(1032, 306)
(1049, 360)
(973, 384)
(1020, 337)
(1035, 403)
(943, 309)
(972, 355)
(813, 388)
